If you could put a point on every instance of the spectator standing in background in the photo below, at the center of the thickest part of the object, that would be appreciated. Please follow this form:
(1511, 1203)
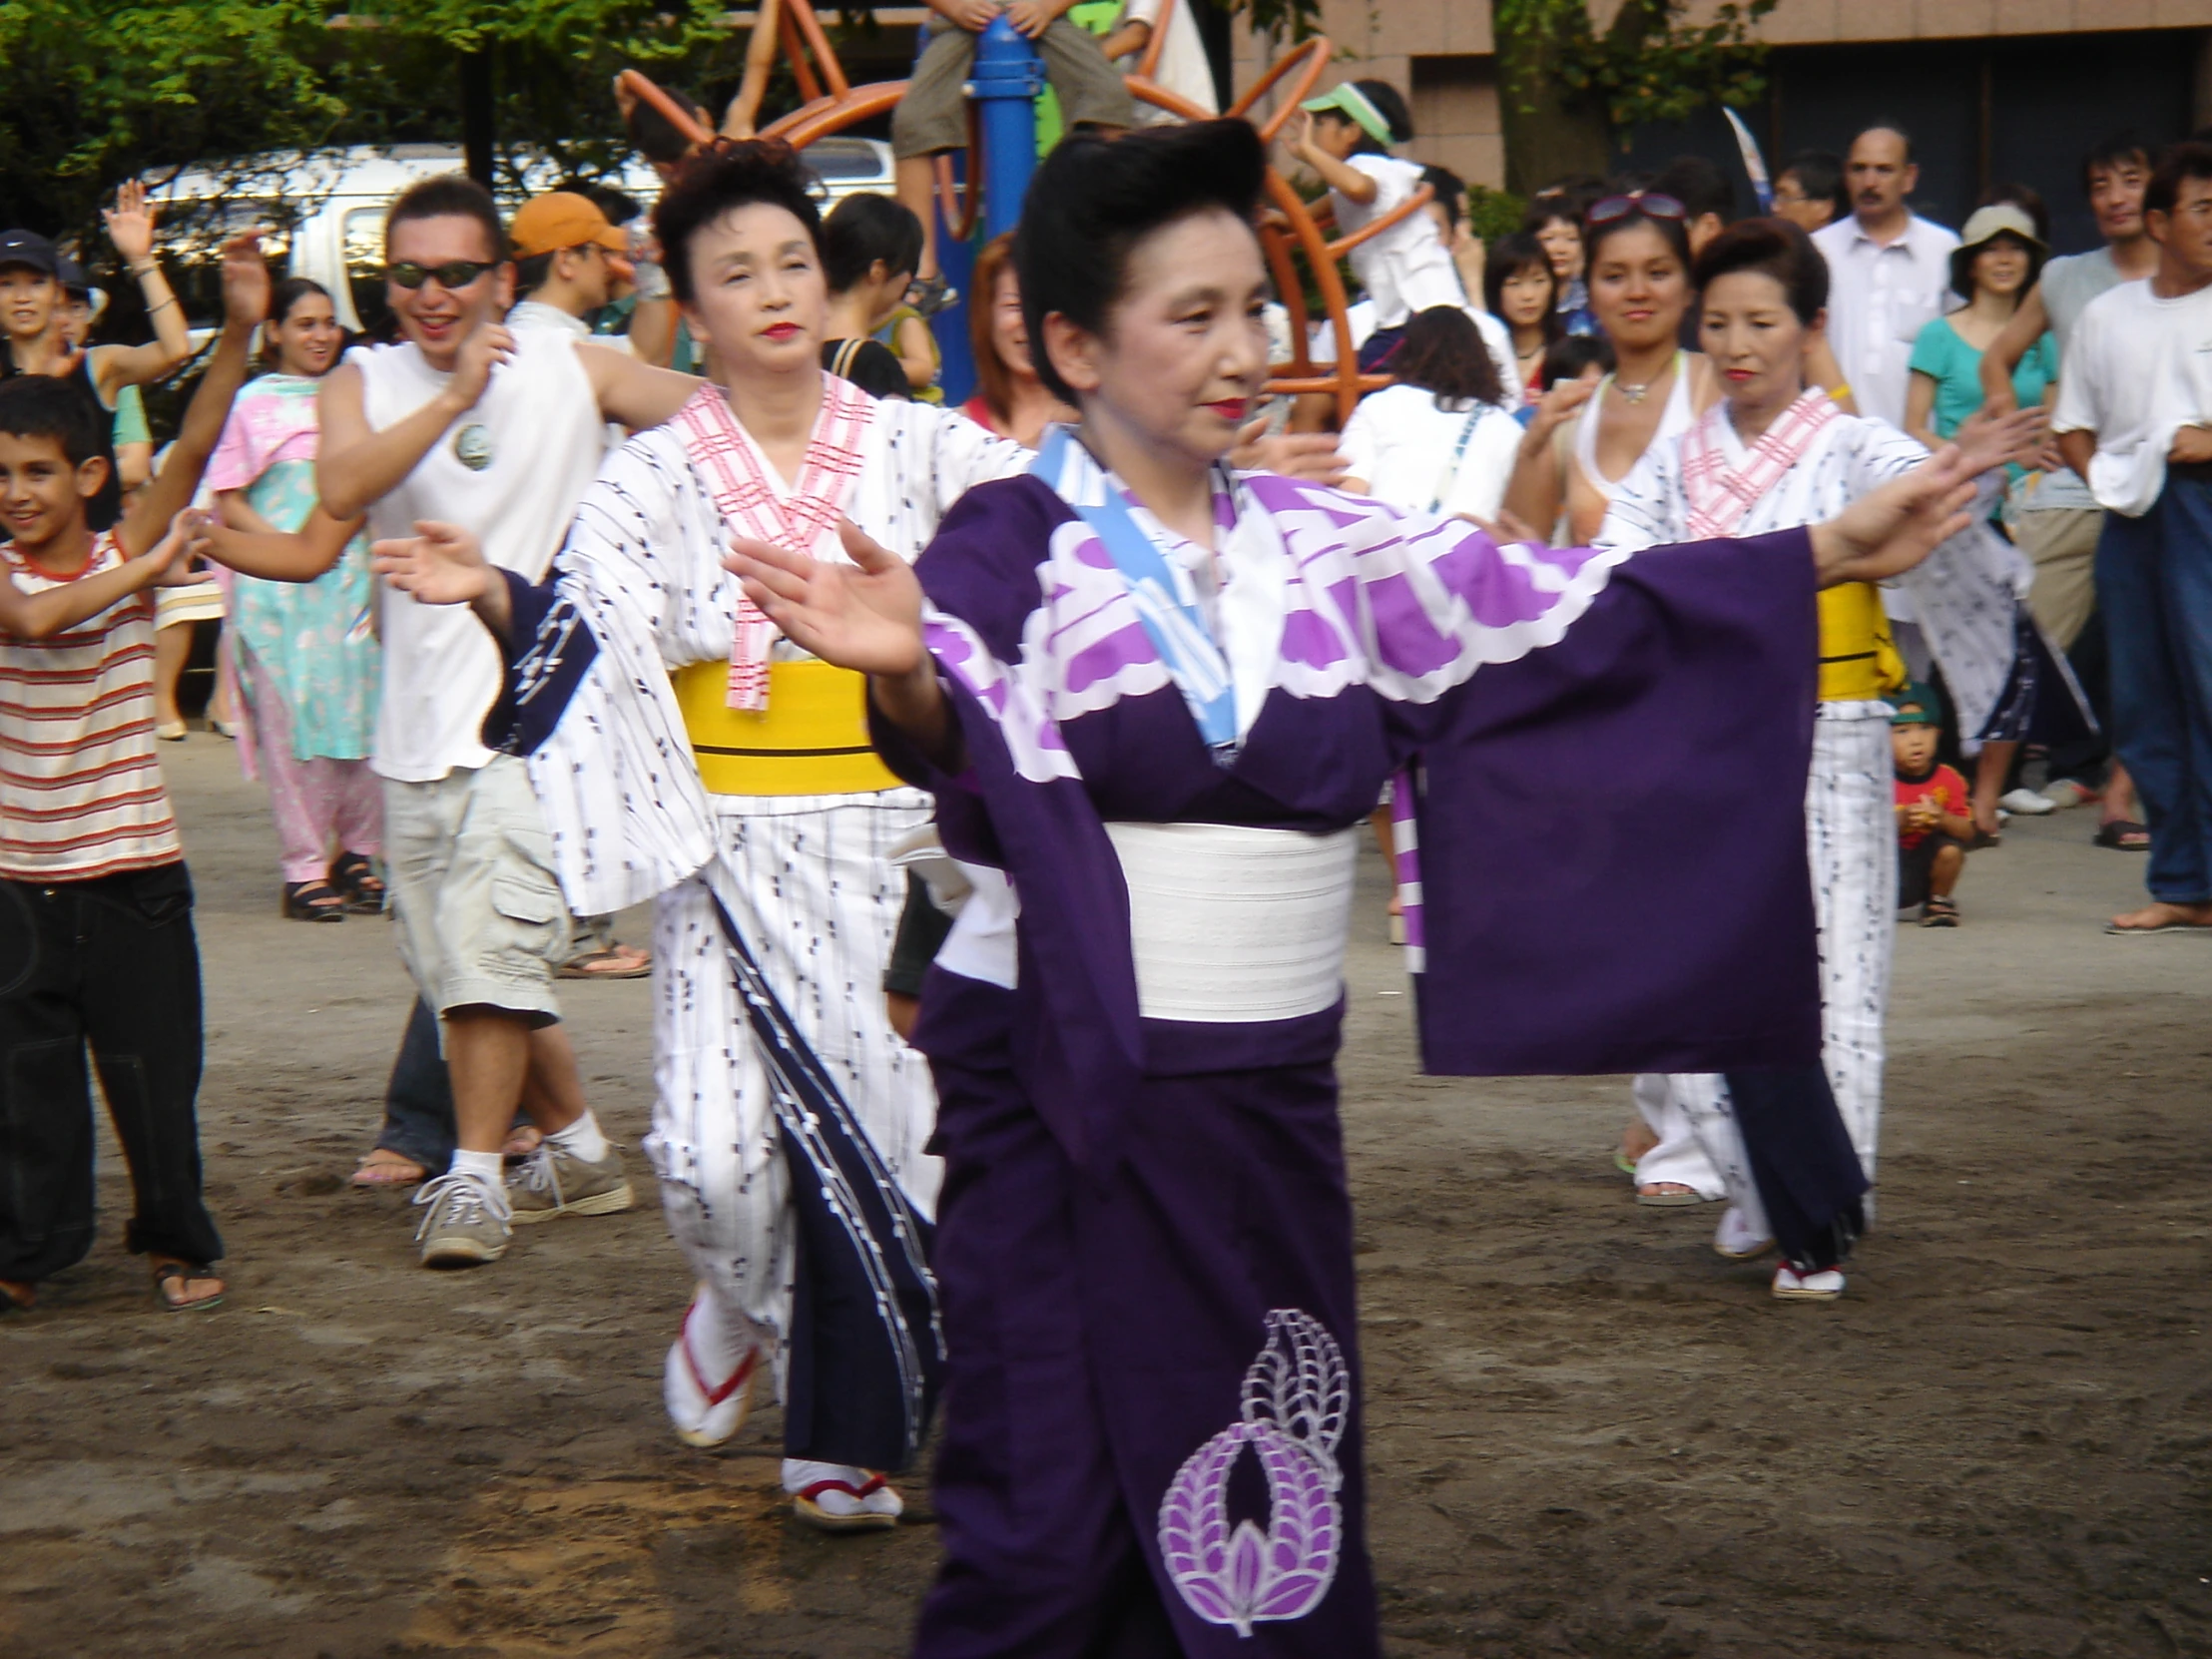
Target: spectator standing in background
(1808, 191)
(1708, 206)
(2052, 514)
(305, 653)
(1888, 273)
(2135, 418)
(1554, 219)
(568, 263)
(1009, 397)
(1441, 439)
(1996, 262)
(870, 245)
(81, 307)
(1521, 291)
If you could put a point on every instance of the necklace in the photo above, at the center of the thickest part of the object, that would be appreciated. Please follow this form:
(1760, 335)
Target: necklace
(1633, 396)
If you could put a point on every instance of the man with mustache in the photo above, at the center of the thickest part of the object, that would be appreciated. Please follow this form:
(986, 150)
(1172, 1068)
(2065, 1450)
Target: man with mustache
(1888, 273)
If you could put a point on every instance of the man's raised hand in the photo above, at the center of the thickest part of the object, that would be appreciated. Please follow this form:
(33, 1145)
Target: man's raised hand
(485, 350)
(864, 616)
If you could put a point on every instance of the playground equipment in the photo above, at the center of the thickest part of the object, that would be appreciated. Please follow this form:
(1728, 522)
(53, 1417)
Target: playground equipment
(1001, 154)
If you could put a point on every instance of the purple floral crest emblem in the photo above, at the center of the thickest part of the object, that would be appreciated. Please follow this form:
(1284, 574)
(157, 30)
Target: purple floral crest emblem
(1296, 1398)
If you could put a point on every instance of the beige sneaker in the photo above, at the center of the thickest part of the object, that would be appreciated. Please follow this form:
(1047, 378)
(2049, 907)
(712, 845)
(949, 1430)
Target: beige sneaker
(467, 1222)
(558, 1183)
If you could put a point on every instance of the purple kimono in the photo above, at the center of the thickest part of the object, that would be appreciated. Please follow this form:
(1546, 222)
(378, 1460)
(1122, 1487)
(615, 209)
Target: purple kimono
(1153, 1434)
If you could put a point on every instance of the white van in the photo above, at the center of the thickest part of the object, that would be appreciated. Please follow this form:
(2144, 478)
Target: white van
(324, 211)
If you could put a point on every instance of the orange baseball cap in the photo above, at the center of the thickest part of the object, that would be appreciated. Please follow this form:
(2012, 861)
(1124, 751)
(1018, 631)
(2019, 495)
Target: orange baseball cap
(561, 219)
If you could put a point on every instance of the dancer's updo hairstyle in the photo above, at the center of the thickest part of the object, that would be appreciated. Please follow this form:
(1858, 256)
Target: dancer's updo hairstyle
(731, 175)
(1775, 247)
(1094, 200)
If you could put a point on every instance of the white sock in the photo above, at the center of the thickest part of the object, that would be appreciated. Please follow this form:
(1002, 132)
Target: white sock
(582, 1139)
(487, 1167)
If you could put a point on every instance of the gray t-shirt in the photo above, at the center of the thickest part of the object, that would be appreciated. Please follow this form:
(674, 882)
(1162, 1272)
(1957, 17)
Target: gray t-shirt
(2070, 283)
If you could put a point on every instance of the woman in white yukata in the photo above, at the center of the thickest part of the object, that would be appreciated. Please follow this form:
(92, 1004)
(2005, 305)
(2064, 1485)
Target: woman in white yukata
(685, 753)
(1770, 455)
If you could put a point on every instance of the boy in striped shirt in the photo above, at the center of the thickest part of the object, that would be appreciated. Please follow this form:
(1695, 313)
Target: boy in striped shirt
(96, 935)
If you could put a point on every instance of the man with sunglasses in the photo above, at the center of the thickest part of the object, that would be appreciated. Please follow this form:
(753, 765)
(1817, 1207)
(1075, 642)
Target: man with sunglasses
(468, 422)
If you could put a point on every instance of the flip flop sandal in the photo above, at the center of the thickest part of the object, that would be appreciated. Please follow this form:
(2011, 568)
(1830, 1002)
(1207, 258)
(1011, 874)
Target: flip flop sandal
(353, 875)
(865, 1520)
(312, 901)
(183, 1272)
(1625, 1164)
(382, 1169)
(2122, 834)
(1984, 839)
(741, 1384)
(1652, 1198)
(1940, 913)
(2119, 932)
(636, 964)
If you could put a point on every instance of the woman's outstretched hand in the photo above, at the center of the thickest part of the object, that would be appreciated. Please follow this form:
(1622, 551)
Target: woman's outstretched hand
(1986, 441)
(864, 616)
(1889, 531)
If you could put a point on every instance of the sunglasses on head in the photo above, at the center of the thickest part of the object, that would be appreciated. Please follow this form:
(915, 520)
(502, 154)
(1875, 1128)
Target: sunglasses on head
(1646, 202)
(452, 276)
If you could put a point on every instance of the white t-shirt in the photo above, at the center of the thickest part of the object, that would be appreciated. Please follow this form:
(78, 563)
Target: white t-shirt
(1182, 67)
(2138, 369)
(1408, 267)
(1403, 445)
(533, 443)
(2067, 284)
(1879, 297)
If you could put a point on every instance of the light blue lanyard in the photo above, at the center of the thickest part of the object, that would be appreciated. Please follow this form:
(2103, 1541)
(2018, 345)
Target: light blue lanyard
(1177, 630)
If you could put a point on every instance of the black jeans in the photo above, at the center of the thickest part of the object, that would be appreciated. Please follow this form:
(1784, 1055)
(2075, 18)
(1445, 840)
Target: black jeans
(112, 962)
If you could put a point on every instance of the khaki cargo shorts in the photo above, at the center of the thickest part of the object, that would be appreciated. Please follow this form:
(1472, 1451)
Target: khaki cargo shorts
(481, 920)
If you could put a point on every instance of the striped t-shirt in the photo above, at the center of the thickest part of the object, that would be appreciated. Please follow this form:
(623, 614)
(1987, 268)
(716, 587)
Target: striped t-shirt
(81, 792)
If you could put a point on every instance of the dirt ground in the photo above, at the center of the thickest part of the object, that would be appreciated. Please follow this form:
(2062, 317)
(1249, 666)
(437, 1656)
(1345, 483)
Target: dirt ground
(1589, 1434)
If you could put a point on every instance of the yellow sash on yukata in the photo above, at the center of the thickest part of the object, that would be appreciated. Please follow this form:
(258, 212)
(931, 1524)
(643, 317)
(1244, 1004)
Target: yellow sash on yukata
(1859, 660)
(812, 739)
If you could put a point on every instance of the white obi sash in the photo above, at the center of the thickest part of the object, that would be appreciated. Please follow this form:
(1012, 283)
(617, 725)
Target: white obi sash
(1231, 925)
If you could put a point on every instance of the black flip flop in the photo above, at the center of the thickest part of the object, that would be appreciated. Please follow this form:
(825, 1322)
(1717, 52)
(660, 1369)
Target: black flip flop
(2122, 834)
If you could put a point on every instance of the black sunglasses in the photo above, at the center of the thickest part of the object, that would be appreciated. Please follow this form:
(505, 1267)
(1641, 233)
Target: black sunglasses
(453, 276)
(1652, 204)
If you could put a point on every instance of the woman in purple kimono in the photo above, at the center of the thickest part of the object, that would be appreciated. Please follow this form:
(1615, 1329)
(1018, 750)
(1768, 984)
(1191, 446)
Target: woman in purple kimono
(1155, 699)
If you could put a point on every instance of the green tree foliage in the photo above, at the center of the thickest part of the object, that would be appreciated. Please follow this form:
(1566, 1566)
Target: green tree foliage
(92, 92)
(1570, 87)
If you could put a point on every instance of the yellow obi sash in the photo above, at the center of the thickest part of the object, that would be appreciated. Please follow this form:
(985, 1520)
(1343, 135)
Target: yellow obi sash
(813, 739)
(1859, 661)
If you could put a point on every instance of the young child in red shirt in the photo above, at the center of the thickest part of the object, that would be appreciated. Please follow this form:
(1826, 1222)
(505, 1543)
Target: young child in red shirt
(97, 949)
(1933, 814)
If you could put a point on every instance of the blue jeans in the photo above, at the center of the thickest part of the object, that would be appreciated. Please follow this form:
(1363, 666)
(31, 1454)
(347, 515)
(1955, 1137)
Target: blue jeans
(2154, 590)
(418, 1102)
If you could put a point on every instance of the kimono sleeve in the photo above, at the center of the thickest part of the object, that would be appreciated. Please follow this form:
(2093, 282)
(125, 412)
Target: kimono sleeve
(959, 454)
(587, 702)
(1612, 871)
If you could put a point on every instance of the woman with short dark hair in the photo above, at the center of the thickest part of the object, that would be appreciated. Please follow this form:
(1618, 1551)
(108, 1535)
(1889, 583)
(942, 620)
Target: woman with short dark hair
(1158, 696)
(1775, 454)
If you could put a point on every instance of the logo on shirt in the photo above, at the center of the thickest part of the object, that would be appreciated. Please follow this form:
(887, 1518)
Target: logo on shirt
(472, 446)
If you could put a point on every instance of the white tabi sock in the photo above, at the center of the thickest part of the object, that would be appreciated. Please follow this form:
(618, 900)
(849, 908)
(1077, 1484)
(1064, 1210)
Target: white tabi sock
(487, 1167)
(582, 1139)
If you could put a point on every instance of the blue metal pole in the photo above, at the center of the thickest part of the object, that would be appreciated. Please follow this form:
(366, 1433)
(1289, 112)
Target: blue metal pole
(1009, 75)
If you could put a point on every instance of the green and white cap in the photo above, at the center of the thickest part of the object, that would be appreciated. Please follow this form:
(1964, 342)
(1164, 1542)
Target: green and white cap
(1355, 106)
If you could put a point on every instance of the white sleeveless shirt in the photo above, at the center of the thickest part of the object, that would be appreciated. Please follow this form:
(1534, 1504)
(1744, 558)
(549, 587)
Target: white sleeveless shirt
(512, 470)
(1674, 420)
